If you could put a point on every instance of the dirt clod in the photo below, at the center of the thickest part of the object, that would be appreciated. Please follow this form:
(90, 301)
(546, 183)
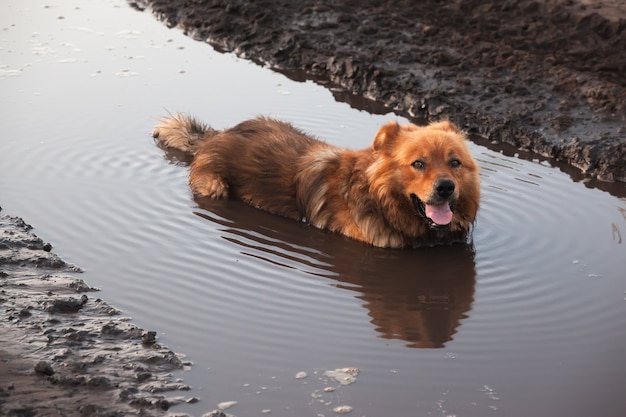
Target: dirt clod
(44, 367)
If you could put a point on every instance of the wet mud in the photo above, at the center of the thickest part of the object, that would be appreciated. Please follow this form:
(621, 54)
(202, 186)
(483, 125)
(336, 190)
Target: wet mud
(547, 78)
(65, 352)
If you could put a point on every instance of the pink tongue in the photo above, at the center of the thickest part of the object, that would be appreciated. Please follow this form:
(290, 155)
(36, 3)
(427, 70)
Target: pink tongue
(440, 214)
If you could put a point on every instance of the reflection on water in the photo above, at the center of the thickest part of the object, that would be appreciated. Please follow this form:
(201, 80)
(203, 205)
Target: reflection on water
(416, 296)
(419, 298)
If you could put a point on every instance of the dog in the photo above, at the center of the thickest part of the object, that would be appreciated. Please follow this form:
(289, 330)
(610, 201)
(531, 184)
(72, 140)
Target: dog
(414, 186)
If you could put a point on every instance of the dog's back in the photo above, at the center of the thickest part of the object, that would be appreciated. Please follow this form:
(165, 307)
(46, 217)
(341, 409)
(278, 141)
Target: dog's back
(255, 161)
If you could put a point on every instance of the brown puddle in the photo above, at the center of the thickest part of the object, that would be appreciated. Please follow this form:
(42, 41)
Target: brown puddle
(528, 322)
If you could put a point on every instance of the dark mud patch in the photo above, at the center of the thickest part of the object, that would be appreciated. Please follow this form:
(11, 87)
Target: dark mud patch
(64, 352)
(545, 77)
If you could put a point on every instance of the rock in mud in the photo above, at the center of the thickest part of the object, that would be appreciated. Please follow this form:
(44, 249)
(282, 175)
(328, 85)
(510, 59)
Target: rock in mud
(149, 338)
(65, 305)
(44, 367)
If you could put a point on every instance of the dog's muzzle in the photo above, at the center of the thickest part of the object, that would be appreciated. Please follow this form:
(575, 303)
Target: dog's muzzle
(437, 215)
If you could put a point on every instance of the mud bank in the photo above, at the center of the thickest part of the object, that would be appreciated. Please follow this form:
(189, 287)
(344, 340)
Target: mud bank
(65, 352)
(544, 77)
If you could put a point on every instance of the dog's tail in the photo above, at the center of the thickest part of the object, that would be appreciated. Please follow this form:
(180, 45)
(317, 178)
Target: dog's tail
(182, 132)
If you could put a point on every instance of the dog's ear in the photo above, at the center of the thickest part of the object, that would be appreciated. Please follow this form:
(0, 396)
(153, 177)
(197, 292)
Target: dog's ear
(446, 126)
(386, 135)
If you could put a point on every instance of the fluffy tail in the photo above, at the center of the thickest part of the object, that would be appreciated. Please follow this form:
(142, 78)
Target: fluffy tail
(182, 132)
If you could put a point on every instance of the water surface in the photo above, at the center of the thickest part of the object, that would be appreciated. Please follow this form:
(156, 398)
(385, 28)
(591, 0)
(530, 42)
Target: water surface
(531, 322)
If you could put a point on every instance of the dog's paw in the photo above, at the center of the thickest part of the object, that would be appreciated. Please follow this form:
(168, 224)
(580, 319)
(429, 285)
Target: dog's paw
(210, 186)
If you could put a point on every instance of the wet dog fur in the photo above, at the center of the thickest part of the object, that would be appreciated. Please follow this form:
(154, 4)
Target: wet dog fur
(414, 186)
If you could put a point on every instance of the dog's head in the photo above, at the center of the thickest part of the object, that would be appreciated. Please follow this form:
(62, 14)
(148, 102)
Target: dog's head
(433, 169)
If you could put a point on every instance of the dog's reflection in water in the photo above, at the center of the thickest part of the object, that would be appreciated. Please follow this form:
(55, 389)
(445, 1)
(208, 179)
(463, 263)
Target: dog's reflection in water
(419, 296)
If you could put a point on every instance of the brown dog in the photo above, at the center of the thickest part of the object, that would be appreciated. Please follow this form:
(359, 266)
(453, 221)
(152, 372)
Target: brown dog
(415, 186)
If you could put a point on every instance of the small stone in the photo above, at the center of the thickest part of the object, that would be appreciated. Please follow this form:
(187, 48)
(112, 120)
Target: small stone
(67, 305)
(342, 409)
(100, 382)
(143, 376)
(44, 367)
(149, 337)
(226, 404)
(163, 404)
(80, 286)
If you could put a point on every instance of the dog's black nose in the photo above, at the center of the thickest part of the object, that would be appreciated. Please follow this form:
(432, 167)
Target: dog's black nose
(444, 188)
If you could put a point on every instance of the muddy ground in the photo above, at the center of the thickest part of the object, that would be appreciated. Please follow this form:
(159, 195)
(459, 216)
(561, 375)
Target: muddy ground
(65, 352)
(547, 77)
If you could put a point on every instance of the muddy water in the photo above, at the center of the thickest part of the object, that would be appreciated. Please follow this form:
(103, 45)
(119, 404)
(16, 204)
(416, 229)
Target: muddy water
(533, 322)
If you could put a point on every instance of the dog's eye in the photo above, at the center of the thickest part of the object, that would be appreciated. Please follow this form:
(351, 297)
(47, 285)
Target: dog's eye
(418, 165)
(455, 163)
